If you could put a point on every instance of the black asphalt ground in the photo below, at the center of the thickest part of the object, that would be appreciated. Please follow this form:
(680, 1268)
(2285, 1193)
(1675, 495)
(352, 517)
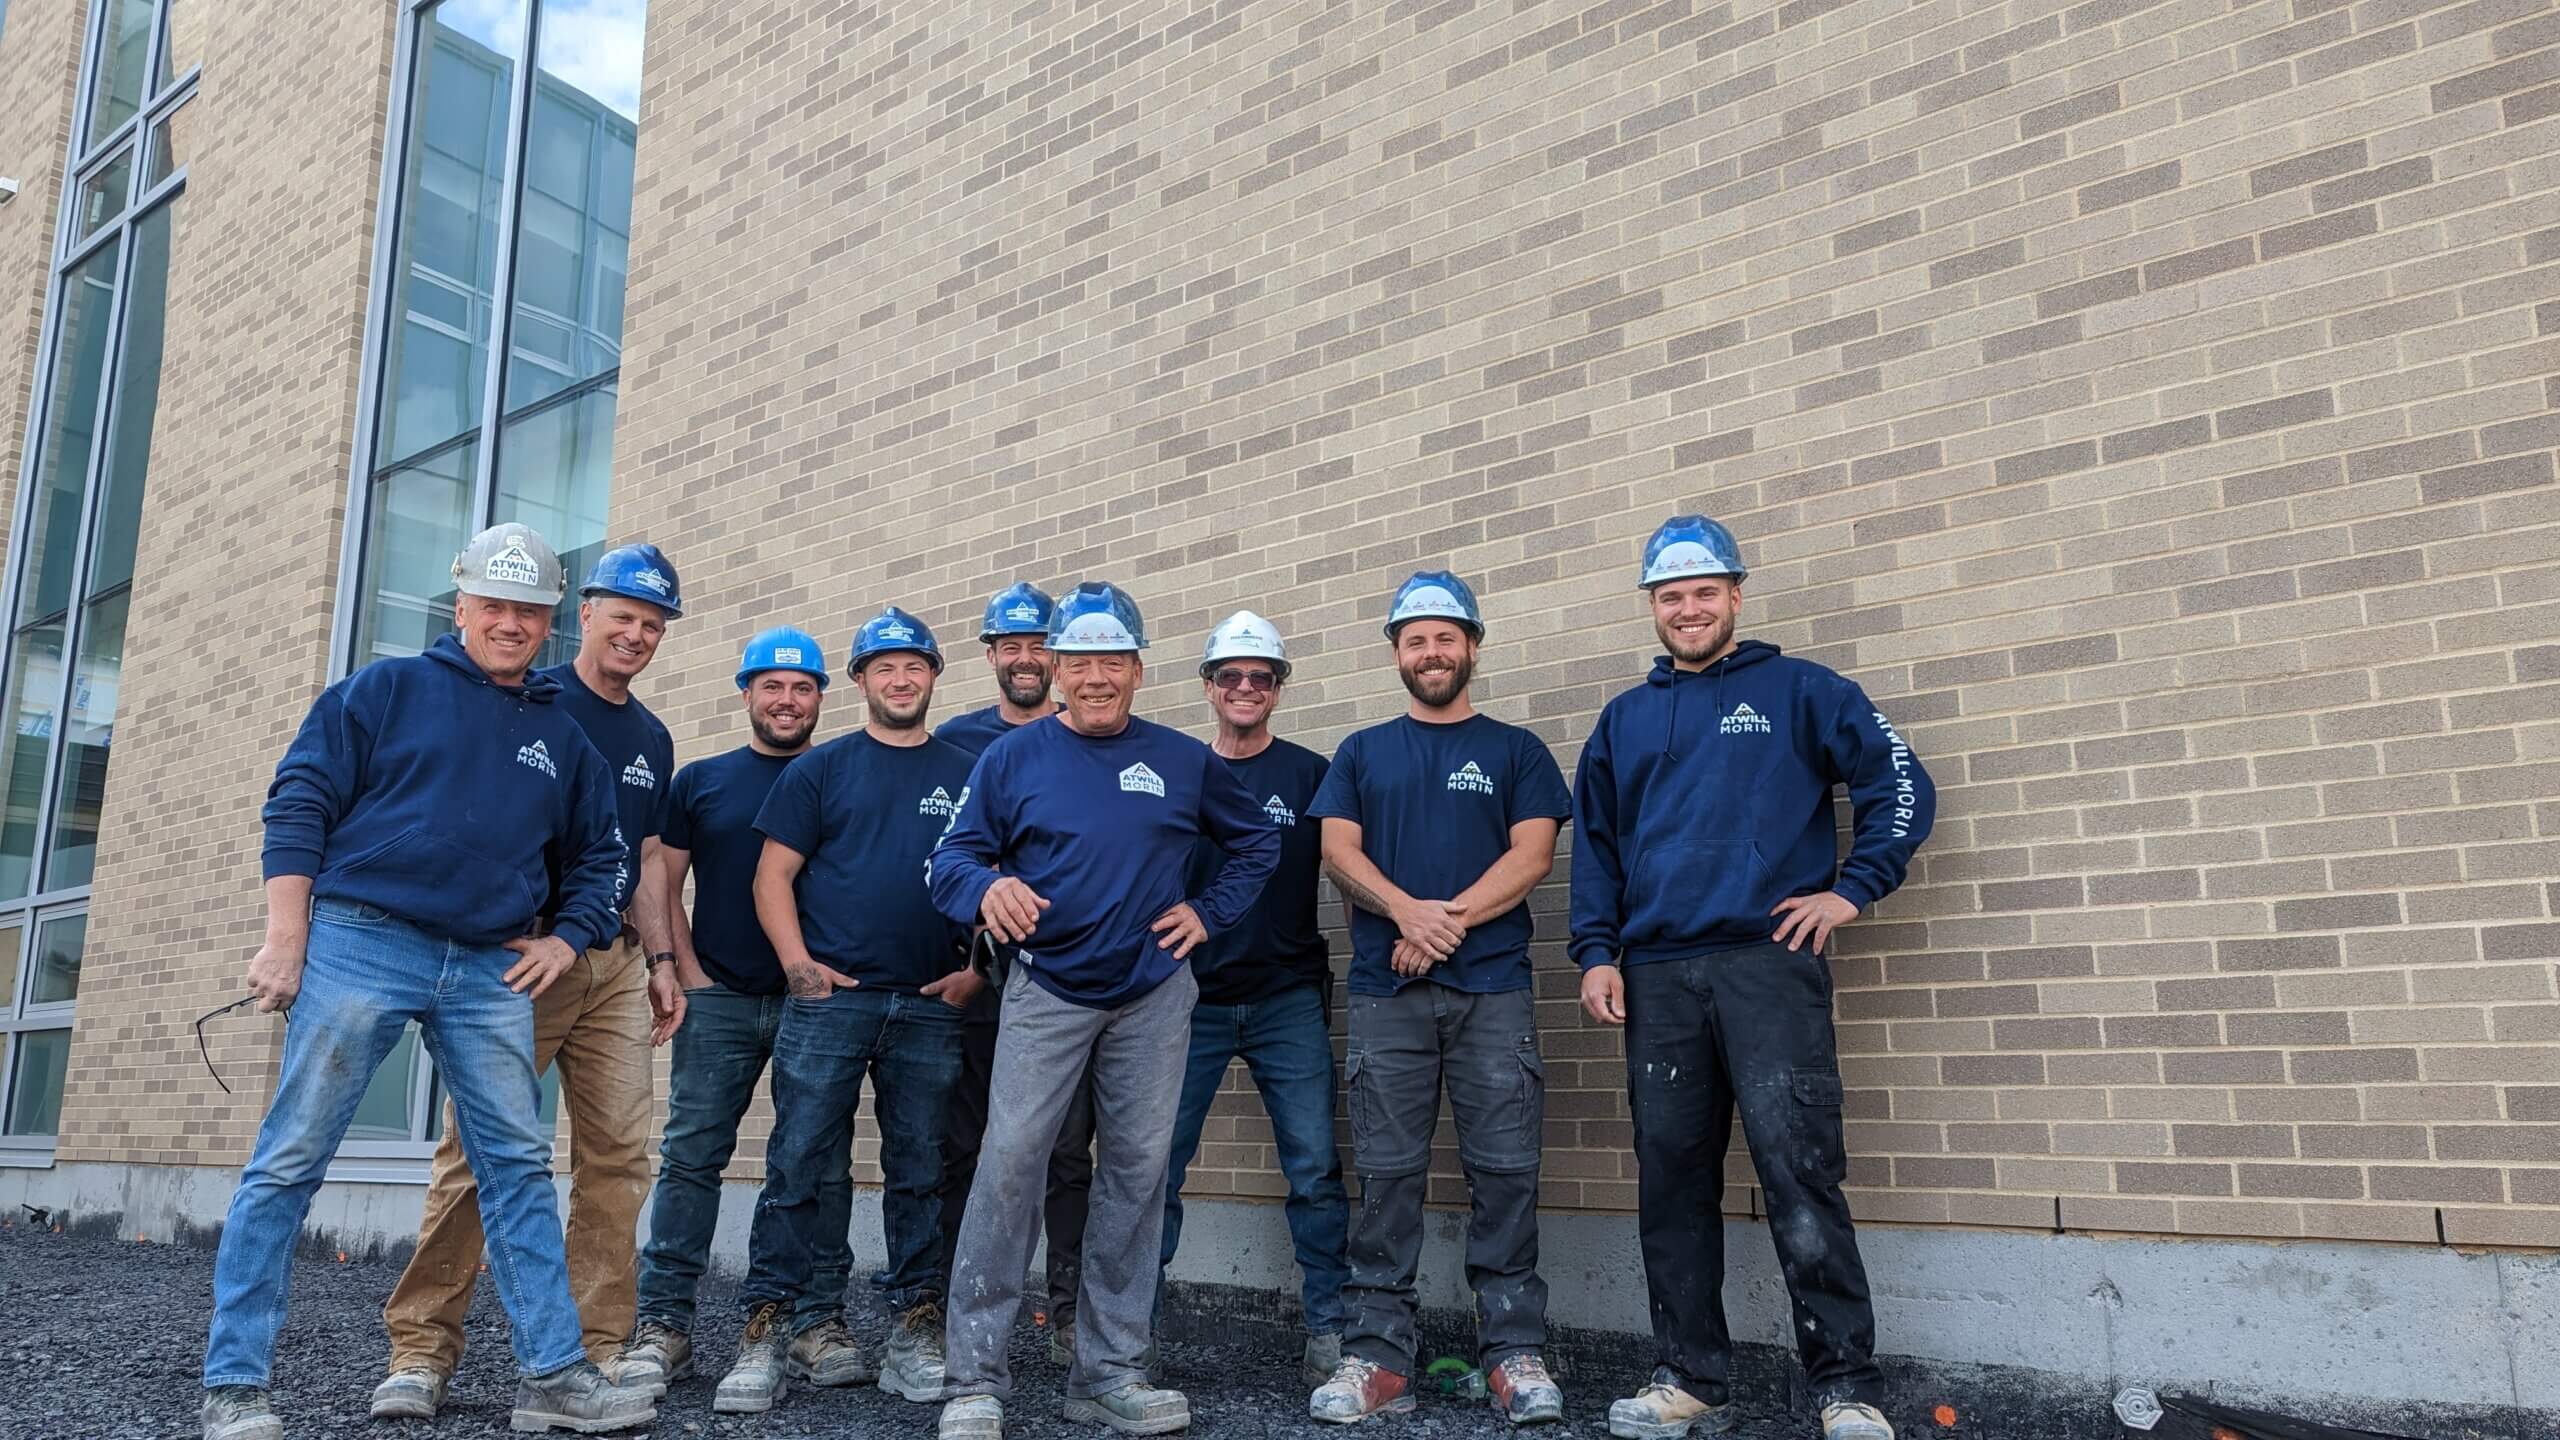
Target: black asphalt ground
(101, 1339)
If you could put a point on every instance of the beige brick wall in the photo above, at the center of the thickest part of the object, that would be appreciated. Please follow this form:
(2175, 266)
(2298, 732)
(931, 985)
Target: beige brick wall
(39, 57)
(2150, 403)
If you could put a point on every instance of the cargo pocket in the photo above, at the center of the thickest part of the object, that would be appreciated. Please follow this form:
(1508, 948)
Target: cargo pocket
(1821, 1155)
(1355, 1097)
(1529, 1143)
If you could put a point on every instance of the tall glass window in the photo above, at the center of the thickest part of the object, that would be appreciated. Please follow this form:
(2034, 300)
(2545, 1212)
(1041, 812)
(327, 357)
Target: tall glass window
(80, 497)
(498, 344)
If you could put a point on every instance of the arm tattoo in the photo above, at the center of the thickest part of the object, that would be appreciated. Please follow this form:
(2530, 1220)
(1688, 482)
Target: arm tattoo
(807, 983)
(1357, 893)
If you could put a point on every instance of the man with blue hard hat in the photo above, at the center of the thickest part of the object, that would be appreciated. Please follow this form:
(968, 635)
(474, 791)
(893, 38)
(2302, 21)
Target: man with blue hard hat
(734, 987)
(428, 815)
(1707, 886)
(1437, 825)
(1015, 631)
(1073, 847)
(877, 980)
(596, 1022)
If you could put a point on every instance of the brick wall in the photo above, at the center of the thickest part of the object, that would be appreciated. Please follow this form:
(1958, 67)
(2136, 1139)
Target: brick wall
(2149, 403)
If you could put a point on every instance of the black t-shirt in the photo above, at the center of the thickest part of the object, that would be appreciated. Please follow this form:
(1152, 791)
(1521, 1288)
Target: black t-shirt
(636, 748)
(1277, 945)
(711, 812)
(866, 815)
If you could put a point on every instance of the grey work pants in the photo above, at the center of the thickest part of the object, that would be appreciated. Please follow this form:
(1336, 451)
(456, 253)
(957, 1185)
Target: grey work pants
(1047, 1045)
(1484, 1049)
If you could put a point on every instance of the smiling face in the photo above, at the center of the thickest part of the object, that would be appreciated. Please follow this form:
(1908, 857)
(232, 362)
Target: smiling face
(501, 636)
(1099, 689)
(1695, 618)
(782, 708)
(1242, 693)
(1436, 659)
(1024, 669)
(620, 635)
(898, 686)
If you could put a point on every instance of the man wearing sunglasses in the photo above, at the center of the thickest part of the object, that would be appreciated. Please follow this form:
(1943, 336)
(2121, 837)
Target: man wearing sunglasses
(1263, 984)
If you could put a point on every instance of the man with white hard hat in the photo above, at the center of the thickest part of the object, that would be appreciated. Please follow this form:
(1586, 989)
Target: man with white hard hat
(409, 831)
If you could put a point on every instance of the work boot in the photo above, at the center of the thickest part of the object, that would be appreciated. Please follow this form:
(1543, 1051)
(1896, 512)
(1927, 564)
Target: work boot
(412, 1392)
(825, 1354)
(1322, 1355)
(577, 1398)
(1062, 1343)
(240, 1412)
(972, 1417)
(1359, 1389)
(911, 1365)
(1662, 1410)
(1849, 1420)
(756, 1379)
(657, 1355)
(1522, 1391)
(1136, 1408)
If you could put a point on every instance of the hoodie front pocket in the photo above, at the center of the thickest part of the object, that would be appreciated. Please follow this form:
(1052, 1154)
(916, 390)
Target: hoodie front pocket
(1674, 886)
(427, 863)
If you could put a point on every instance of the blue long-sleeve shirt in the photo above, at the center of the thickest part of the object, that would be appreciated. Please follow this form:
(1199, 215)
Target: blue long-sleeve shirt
(421, 786)
(1102, 827)
(1703, 798)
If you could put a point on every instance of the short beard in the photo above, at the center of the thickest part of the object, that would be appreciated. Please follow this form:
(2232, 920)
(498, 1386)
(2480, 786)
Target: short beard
(1438, 690)
(765, 733)
(1715, 641)
(888, 719)
(1023, 695)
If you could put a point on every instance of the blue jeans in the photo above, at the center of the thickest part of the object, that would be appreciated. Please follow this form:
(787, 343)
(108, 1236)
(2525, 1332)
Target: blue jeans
(909, 1046)
(366, 976)
(1287, 1049)
(720, 1052)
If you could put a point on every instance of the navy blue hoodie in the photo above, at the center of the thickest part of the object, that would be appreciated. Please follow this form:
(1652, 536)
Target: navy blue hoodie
(420, 786)
(1704, 798)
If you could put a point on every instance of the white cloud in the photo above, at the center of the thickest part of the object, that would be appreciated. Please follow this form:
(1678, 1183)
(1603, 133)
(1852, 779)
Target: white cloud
(594, 45)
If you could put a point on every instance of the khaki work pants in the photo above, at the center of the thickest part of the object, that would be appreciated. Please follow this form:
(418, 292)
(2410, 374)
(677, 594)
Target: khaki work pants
(594, 1023)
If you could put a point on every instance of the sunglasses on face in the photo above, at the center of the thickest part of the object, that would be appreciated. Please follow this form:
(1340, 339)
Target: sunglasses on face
(1262, 680)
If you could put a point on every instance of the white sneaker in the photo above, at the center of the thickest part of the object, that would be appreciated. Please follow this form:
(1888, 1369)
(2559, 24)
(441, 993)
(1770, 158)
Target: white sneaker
(1851, 1421)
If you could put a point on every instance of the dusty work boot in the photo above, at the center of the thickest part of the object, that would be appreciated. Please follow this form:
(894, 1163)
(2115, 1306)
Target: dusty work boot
(1359, 1389)
(825, 1354)
(657, 1355)
(412, 1392)
(1522, 1392)
(577, 1398)
(756, 1379)
(1663, 1410)
(911, 1365)
(972, 1417)
(1136, 1408)
(1322, 1356)
(1062, 1343)
(1849, 1420)
(240, 1412)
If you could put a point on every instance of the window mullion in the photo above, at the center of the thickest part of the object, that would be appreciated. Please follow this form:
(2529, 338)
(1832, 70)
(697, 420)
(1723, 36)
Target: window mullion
(150, 80)
(502, 286)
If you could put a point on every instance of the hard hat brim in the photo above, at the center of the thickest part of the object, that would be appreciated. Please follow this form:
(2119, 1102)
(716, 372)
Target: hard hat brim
(1210, 665)
(672, 612)
(487, 589)
(1717, 574)
(747, 677)
(1473, 628)
(853, 667)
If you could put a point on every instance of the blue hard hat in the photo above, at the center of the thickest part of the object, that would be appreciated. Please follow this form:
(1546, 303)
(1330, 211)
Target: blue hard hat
(1097, 618)
(783, 648)
(637, 572)
(1686, 547)
(892, 630)
(1435, 595)
(1020, 608)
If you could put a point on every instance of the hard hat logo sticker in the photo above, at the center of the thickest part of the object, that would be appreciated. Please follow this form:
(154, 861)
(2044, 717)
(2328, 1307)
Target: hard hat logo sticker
(1098, 630)
(1023, 610)
(895, 632)
(1431, 600)
(652, 579)
(1677, 558)
(512, 565)
(787, 655)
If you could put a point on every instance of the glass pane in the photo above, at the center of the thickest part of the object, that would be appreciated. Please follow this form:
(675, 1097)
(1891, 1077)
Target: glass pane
(9, 936)
(186, 21)
(54, 977)
(416, 519)
(172, 144)
(35, 687)
(136, 405)
(62, 468)
(447, 265)
(103, 194)
(85, 738)
(383, 1113)
(436, 1098)
(555, 473)
(35, 1097)
(126, 49)
(574, 218)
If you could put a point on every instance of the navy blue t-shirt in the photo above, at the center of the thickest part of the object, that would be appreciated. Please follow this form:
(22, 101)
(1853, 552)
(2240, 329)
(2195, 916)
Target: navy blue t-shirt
(1277, 944)
(975, 730)
(637, 750)
(711, 813)
(1435, 805)
(866, 815)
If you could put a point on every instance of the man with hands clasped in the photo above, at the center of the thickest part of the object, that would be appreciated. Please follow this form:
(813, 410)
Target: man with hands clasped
(1707, 886)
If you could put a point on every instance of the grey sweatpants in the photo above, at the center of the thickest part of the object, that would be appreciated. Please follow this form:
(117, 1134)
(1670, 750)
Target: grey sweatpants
(1136, 1056)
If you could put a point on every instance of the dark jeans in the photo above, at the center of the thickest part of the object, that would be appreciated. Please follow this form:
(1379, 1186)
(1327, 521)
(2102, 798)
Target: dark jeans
(1070, 1187)
(720, 1051)
(909, 1046)
(1286, 1047)
(1485, 1048)
(1749, 1027)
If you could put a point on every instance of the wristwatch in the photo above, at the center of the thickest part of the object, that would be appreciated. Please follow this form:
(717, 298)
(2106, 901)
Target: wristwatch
(663, 957)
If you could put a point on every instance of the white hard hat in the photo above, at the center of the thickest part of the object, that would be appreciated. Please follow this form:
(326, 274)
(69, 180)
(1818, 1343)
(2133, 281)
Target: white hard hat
(510, 562)
(1246, 636)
